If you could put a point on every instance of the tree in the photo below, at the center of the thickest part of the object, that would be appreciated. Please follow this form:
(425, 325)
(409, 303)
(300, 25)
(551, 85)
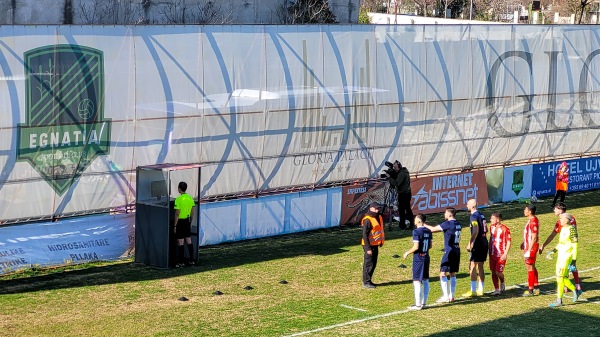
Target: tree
(374, 6)
(488, 9)
(363, 16)
(180, 12)
(455, 6)
(583, 5)
(423, 6)
(446, 4)
(305, 12)
(111, 12)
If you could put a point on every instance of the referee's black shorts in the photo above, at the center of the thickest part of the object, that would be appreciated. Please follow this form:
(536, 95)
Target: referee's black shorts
(183, 229)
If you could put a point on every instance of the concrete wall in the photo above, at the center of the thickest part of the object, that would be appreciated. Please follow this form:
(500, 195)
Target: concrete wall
(155, 11)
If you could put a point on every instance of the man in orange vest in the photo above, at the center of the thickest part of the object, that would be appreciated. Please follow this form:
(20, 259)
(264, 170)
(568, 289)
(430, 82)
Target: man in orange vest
(562, 183)
(372, 239)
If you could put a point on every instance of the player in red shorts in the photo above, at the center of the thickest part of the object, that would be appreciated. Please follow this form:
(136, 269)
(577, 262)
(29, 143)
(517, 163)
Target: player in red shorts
(530, 248)
(500, 242)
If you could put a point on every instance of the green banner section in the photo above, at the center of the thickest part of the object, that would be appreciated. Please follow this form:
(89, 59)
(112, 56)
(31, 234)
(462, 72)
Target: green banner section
(61, 152)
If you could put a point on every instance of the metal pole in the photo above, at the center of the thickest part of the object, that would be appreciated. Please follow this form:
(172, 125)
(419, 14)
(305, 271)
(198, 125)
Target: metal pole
(471, 11)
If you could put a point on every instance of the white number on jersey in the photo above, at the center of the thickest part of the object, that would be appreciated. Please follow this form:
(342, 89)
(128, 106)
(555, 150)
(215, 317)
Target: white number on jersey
(457, 237)
(425, 246)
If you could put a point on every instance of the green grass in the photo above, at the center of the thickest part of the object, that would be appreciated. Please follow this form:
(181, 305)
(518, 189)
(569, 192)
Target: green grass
(323, 269)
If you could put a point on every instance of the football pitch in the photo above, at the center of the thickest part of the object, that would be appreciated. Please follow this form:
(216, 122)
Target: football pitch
(308, 284)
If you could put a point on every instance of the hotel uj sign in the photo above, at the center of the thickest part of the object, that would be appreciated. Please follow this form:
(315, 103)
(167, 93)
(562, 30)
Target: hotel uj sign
(65, 129)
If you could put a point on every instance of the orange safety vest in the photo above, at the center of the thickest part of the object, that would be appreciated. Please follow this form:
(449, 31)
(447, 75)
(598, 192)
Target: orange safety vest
(376, 237)
(562, 180)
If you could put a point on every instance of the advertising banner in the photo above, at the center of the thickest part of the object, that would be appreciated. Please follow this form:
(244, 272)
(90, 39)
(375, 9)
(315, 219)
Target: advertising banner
(435, 194)
(94, 238)
(429, 195)
(517, 182)
(357, 198)
(584, 174)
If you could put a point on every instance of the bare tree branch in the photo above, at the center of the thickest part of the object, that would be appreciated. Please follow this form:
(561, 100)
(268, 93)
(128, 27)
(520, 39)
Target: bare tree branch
(111, 12)
(304, 12)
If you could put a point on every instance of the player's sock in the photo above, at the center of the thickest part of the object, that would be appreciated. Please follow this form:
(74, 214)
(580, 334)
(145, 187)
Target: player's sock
(191, 251)
(530, 279)
(417, 286)
(425, 292)
(481, 287)
(180, 254)
(502, 287)
(444, 284)
(452, 286)
(576, 278)
(495, 281)
(560, 283)
(473, 286)
(536, 282)
(501, 278)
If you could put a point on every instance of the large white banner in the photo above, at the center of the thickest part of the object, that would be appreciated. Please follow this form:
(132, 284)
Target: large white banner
(70, 241)
(266, 107)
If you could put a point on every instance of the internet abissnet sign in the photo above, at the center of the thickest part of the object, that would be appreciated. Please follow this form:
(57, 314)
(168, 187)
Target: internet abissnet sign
(584, 174)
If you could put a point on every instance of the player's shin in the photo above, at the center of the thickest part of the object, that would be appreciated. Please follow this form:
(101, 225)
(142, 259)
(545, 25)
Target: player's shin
(425, 292)
(530, 279)
(452, 286)
(560, 283)
(576, 279)
(569, 284)
(495, 280)
(417, 288)
(444, 285)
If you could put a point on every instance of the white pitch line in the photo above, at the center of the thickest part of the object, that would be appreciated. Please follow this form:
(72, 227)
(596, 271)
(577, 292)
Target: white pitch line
(353, 308)
(393, 313)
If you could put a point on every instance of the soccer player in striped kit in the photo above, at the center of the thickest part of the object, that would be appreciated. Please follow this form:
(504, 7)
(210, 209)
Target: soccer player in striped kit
(500, 242)
(530, 248)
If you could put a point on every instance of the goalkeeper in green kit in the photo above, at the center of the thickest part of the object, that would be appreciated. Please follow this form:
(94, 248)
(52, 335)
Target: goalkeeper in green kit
(566, 250)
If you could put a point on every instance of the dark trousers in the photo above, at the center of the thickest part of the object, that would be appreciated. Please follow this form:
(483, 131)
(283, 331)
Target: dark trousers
(404, 210)
(561, 195)
(370, 264)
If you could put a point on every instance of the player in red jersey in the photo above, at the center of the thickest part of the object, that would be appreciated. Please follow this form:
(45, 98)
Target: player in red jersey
(530, 248)
(559, 209)
(500, 242)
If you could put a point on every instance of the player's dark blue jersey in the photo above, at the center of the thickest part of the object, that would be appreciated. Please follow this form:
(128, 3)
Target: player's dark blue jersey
(422, 235)
(478, 219)
(451, 230)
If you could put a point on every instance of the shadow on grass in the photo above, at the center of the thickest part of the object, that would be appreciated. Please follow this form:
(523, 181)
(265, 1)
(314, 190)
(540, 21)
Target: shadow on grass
(393, 283)
(538, 322)
(546, 289)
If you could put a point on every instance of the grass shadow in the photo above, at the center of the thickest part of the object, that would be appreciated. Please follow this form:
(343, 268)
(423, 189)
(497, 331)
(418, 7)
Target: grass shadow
(538, 322)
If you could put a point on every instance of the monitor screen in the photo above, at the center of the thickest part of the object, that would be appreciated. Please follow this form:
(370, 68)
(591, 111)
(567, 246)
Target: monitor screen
(158, 189)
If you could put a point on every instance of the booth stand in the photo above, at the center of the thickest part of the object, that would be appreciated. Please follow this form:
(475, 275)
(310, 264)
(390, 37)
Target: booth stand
(156, 191)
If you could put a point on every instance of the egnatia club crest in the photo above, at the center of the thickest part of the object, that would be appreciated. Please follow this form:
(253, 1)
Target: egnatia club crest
(65, 129)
